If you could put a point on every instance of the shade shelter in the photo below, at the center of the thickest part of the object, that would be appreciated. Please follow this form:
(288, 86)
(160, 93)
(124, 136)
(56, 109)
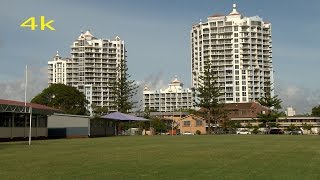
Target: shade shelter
(118, 116)
(123, 117)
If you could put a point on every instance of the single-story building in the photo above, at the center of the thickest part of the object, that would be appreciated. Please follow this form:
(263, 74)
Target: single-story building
(285, 122)
(15, 119)
(300, 122)
(192, 124)
(68, 126)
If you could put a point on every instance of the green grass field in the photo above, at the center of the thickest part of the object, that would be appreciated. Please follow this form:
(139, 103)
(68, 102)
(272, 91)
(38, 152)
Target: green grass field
(164, 157)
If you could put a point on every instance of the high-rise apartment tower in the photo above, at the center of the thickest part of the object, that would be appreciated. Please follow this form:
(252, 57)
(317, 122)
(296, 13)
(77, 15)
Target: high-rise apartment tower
(238, 49)
(91, 68)
(173, 98)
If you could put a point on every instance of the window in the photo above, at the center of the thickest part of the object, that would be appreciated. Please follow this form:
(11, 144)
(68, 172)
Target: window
(5, 120)
(235, 40)
(244, 94)
(19, 120)
(236, 56)
(34, 121)
(198, 122)
(213, 24)
(244, 88)
(186, 123)
(237, 77)
(235, 34)
(236, 28)
(237, 88)
(237, 82)
(42, 121)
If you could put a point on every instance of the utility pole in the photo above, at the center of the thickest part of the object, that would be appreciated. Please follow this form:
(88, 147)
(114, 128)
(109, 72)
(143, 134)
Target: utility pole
(172, 123)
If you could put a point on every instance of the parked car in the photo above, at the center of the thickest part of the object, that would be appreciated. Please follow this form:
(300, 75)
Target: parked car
(187, 133)
(276, 131)
(243, 131)
(296, 132)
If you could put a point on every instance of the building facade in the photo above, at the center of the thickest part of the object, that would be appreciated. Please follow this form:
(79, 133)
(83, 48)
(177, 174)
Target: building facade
(192, 124)
(57, 72)
(171, 99)
(15, 119)
(285, 122)
(69, 126)
(91, 68)
(245, 110)
(290, 111)
(238, 50)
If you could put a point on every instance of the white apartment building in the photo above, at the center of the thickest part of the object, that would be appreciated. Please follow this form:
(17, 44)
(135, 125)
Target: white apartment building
(57, 70)
(290, 111)
(93, 65)
(173, 98)
(239, 51)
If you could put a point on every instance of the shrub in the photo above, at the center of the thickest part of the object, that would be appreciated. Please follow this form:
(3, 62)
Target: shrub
(198, 132)
(255, 130)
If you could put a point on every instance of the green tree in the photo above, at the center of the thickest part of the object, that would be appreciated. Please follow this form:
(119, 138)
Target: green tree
(307, 127)
(292, 127)
(207, 96)
(273, 103)
(98, 110)
(65, 98)
(159, 125)
(316, 111)
(273, 124)
(255, 130)
(123, 89)
(146, 112)
(230, 125)
(248, 125)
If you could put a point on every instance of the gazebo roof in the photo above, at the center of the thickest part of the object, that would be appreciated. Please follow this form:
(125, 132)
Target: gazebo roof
(123, 117)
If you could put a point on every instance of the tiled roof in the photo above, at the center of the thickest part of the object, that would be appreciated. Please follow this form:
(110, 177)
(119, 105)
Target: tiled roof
(239, 105)
(192, 115)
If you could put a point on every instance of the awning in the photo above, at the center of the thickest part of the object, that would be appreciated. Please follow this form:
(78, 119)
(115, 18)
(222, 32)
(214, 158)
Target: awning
(19, 107)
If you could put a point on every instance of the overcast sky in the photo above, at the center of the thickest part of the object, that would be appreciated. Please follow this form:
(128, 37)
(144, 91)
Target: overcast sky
(157, 37)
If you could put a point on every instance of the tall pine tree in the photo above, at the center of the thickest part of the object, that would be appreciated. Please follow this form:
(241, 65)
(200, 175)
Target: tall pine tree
(272, 102)
(207, 96)
(123, 89)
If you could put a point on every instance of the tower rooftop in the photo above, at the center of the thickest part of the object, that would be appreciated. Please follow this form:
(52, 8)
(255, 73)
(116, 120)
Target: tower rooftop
(234, 10)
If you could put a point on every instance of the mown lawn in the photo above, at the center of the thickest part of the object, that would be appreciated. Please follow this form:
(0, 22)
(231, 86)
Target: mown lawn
(164, 157)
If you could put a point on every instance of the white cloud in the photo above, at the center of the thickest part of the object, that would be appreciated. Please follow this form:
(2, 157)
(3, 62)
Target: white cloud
(301, 98)
(15, 89)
